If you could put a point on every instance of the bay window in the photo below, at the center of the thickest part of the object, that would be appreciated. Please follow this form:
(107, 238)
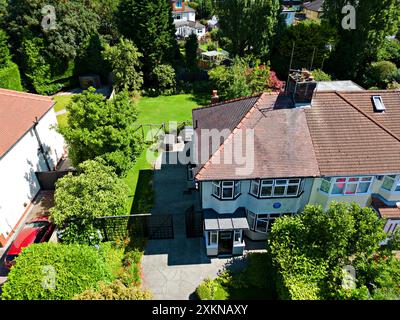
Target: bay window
(391, 183)
(262, 222)
(346, 185)
(226, 189)
(275, 188)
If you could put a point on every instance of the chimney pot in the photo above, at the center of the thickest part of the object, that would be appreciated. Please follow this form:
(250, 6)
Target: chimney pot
(214, 97)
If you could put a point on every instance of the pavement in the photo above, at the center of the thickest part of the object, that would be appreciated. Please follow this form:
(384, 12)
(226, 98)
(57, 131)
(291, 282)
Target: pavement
(174, 268)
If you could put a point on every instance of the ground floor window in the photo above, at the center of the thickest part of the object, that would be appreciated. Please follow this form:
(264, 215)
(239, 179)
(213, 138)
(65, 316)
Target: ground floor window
(212, 238)
(262, 222)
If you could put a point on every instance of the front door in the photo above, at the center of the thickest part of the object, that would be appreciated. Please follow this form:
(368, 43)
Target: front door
(225, 242)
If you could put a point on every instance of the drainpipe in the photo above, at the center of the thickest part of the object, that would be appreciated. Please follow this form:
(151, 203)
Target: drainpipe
(35, 123)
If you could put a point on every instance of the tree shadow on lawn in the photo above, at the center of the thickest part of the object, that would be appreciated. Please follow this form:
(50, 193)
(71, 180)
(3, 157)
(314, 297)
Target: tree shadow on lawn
(201, 98)
(144, 194)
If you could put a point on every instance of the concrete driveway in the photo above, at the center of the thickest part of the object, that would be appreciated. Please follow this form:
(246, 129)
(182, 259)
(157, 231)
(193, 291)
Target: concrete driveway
(174, 268)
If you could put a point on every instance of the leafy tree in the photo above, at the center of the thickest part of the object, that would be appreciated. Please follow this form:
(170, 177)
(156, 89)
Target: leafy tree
(239, 79)
(310, 249)
(319, 75)
(70, 269)
(204, 9)
(380, 74)
(95, 191)
(310, 39)
(124, 61)
(390, 51)
(248, 24)
(5, 55)
(191, 47)
(375, 20)
(163, 78)
(114, 291)
(102, 128)
(149, 25)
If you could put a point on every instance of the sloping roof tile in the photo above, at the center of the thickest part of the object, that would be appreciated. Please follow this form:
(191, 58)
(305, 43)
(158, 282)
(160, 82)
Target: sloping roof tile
(17, 113)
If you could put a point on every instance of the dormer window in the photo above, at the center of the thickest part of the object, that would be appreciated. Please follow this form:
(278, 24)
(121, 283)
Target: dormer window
(378, 104)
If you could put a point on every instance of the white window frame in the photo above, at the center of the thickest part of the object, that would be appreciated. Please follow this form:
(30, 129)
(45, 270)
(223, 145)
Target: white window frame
(236, 232)
(267, 218)
(218, 188)
(276, 183)
(347, 183)
(210, 235)
(395, 183)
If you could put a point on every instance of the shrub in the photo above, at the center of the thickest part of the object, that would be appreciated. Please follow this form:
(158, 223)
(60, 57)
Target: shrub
(112, 255)
(211, 46)
(319, 75)
(50, 271)
(113, 291)
(10, 77)
(211, 290)
(379, 74)
(163, 77)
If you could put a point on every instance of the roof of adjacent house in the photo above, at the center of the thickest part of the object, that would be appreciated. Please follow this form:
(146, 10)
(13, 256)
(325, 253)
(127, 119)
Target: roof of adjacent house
(340, 134)
(349, 138)
(316, 5)
(282, 143)
(338, 85)
(188, 23)
(17, 113)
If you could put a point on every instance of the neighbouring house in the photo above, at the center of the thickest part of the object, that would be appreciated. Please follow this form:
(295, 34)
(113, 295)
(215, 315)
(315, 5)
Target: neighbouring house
(28, 144)
(261, 157)
(185, 20)
(289, 14)
(313, 9)
(213, 23)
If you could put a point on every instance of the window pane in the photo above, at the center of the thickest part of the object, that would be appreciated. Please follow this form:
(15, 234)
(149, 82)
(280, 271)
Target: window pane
(237, 188)
(292, 190)
(294, 180)
(366, 179)
(254, 188)
(227, 183)
(340, 179)
(279, 191)
(267, 182)
(353, 179)
(351, 188)
(387, 183)
(363, 187)
(338, 188)
(237, 236)
(266, 191)
(227, 192)
(397, 187)
(213, 237)
(251, 217)
(261, 226)
(325, 186)
(280, 182)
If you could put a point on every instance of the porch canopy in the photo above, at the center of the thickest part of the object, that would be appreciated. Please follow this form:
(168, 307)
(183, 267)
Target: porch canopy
(215, 221)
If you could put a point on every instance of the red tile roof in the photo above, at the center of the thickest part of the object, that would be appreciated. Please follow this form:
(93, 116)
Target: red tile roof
(17, 113)
(282, 143)
(347, 139)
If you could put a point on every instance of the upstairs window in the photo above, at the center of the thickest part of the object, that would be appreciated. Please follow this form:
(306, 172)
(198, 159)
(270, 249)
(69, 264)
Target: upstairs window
(226, 189)
(391, 183)
(178, 4)
(346, 185)
(277, 188)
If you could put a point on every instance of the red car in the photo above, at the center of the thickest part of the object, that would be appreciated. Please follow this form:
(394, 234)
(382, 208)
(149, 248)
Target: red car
(35, 231)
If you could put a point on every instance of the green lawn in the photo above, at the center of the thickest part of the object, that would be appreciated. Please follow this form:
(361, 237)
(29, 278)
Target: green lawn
(62, 120)
(62, 102)
(169, 108)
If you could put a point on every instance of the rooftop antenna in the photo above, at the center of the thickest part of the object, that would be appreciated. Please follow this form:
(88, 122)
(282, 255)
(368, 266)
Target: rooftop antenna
(290, 68)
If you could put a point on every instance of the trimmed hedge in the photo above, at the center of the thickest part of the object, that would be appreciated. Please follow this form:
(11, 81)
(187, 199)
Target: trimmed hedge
(10, 77)
(51, 271)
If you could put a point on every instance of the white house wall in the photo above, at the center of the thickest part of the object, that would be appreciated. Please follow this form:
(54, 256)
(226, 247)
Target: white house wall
(256, 205)
(18, 183)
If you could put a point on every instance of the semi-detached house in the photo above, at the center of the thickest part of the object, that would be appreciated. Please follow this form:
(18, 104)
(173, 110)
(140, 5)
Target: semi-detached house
(342, 143)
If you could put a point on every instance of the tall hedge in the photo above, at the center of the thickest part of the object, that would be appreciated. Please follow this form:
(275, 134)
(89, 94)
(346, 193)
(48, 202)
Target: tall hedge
(10, 77)
(50, 271)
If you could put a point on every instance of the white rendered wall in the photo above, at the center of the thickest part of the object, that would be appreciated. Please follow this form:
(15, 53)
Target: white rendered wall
(18, 183)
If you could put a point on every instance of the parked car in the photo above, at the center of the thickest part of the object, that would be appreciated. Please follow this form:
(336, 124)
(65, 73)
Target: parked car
(35, 231)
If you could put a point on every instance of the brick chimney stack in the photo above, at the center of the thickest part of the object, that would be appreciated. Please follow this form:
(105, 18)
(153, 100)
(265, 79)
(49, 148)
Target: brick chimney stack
(214, 97)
